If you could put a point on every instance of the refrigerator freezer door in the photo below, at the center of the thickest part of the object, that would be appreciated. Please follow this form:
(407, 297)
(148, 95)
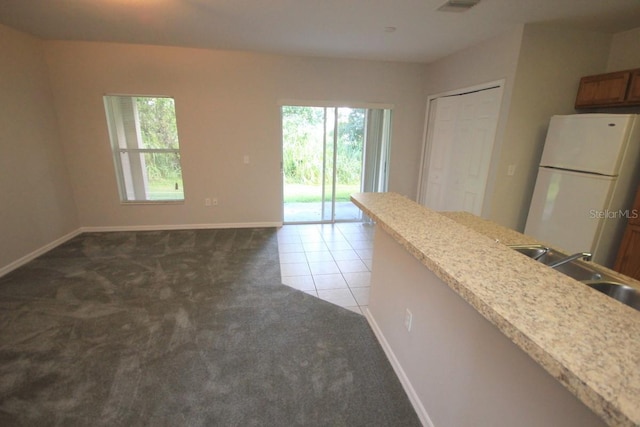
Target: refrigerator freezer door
(587, 142)
(567, 209)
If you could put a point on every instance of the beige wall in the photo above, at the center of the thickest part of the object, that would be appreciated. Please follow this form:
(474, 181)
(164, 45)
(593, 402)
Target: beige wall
(550, 65)
(226, 107)
(488, 61)
(541, 66)
(625, 51)
(493, 60)
(36, 202)
(459, 369)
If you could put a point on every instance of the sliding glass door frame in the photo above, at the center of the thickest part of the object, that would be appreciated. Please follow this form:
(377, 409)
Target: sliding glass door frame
(331, 159)
(334, 169)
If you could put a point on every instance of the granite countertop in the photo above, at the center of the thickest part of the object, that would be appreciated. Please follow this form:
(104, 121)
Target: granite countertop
(586, 340)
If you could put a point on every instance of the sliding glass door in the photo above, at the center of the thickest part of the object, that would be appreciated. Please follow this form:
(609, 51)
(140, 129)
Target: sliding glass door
(328, 154)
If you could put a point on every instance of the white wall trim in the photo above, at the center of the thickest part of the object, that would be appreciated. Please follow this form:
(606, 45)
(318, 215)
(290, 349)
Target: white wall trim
(468, 89)
(333, 104)
(94, 229)
(33, 255)
(404, 379)
(425, 152)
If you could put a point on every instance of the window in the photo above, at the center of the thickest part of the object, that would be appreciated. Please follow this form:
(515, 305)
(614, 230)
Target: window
(146, 153)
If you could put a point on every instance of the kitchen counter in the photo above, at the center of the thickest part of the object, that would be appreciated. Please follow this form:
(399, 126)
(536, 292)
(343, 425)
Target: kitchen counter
(584, 339)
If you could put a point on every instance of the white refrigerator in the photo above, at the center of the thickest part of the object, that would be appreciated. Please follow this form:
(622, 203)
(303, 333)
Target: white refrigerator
(586, 182)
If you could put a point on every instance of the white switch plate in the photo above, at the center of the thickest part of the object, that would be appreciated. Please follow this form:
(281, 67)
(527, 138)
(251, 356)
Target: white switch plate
(207, 202)
(246, 159)
(511, 170)
(408, 319)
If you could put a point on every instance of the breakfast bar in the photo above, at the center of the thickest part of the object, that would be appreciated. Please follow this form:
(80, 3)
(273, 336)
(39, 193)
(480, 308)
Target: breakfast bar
(482, 335)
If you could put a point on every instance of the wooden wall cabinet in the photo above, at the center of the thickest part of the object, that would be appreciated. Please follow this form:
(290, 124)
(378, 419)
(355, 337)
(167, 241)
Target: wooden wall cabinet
(634, 87)
(628, 262)
(618, 89)
(628, 259)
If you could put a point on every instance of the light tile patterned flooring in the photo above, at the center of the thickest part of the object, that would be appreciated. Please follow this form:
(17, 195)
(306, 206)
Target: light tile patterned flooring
(329, 261)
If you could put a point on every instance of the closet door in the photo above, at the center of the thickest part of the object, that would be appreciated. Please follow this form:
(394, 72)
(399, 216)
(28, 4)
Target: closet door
(442, 127)
(460, 135)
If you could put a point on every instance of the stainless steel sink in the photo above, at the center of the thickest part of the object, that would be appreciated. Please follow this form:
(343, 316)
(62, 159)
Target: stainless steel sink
(618, 291)
(575, 269)
(532, 251)
(588, 273)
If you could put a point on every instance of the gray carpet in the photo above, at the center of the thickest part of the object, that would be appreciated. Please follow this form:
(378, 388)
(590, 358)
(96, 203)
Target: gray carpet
(184, 328)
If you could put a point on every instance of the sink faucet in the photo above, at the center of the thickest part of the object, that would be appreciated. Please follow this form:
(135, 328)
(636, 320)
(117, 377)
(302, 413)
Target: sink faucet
(580, 255)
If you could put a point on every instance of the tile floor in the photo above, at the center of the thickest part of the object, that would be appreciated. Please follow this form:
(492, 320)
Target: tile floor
(312, 211)
(329, 261)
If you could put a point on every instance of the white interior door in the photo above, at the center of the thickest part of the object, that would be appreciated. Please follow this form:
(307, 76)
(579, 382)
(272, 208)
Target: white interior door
(442, 129)
(461, 132)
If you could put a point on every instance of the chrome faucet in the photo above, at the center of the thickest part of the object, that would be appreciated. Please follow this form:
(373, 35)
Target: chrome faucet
(580, 255)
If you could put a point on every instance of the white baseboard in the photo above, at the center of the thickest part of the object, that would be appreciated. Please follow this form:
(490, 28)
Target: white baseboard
(32, 255)
(180, 227)
(404, 380)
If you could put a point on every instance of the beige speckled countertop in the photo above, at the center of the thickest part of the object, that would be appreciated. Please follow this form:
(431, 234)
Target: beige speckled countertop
(586, 340)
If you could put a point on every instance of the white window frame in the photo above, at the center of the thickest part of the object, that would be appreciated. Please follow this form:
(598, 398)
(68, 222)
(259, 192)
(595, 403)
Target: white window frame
(131, 177)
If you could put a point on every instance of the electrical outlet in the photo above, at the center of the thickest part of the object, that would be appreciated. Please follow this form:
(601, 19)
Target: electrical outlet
(215, 201)
(408, 320)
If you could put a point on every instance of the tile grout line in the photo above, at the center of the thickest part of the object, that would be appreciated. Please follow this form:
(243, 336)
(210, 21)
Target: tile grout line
(335, 231)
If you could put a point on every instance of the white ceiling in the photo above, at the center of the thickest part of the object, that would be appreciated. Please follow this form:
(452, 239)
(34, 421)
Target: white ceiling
(332, 28)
